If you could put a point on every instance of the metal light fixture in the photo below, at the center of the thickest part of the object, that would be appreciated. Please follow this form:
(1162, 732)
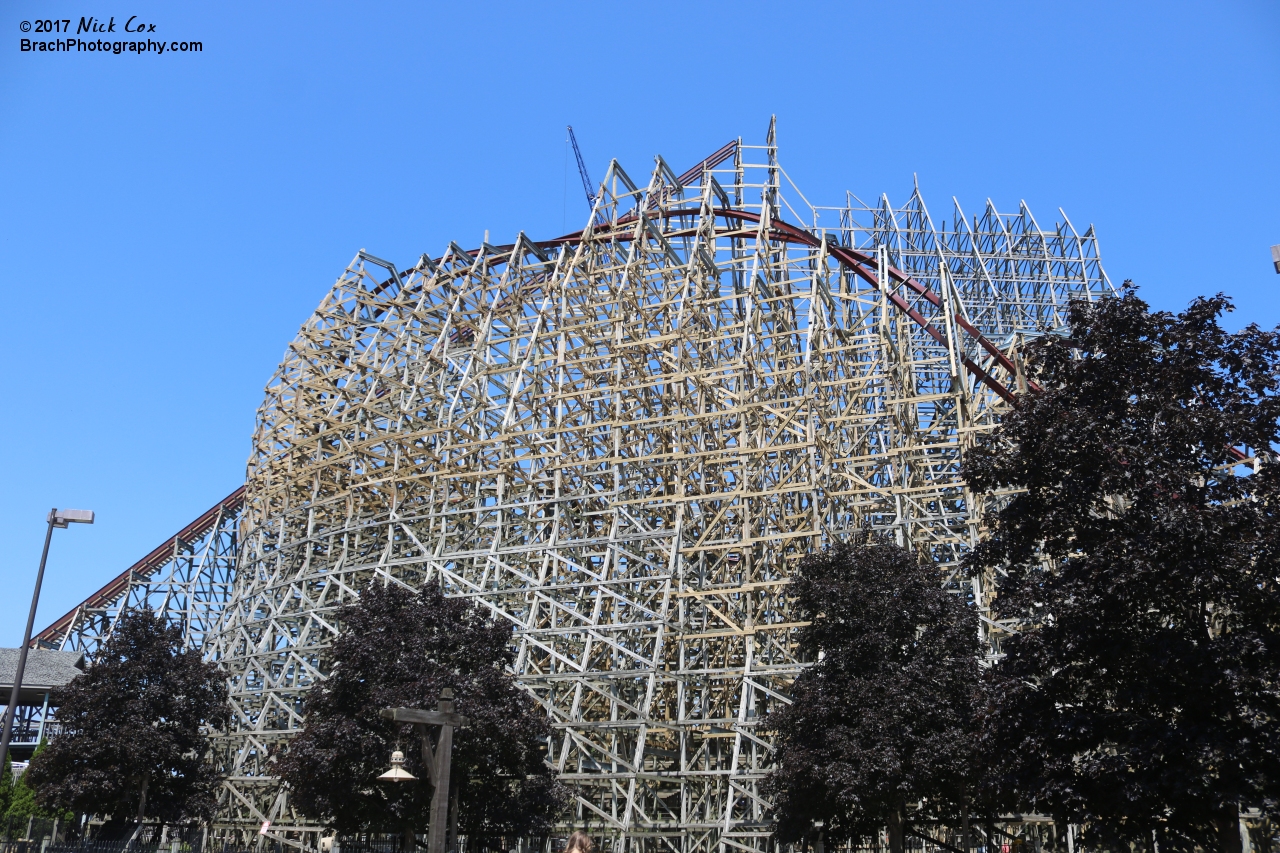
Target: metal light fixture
(63, 517)
(397, 773)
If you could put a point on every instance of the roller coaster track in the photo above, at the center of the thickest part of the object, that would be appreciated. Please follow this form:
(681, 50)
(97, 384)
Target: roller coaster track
(181, 577)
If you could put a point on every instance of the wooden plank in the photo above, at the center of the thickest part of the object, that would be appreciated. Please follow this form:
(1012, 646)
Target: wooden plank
(428, 718)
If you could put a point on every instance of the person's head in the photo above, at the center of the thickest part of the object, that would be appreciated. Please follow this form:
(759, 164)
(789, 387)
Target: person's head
(580, 842)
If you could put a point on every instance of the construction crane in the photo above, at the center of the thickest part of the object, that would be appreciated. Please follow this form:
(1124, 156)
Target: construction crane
(695, 174)
(582, 171)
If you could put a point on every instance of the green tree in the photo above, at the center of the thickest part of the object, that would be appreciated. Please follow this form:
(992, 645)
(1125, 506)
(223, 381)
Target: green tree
(1142, 697)
(133, 737)
(20, 799)
(884, 719)
(399, 648)
(6, 785)
(22, 802)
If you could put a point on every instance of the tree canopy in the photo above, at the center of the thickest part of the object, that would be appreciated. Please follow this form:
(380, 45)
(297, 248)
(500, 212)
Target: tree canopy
(132, 737)
(399, 648)
(1141, 698)
(884, 717)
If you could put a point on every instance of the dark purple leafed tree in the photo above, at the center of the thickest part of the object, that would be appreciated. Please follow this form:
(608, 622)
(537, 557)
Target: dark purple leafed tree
(1143, 698)
(399, 648)
(881, 730)
(133, 729)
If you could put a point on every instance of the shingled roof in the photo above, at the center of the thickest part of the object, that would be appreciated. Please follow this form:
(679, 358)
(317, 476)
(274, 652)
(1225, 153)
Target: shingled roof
(45, 670)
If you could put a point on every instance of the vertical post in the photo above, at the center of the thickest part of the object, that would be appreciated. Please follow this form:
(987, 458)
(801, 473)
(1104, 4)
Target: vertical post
(440, 796)
(453, 822)
(44, 716)
(26, 640)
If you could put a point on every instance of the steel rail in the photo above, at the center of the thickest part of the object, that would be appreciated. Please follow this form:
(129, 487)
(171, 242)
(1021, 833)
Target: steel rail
(851, 259)
(144, 568)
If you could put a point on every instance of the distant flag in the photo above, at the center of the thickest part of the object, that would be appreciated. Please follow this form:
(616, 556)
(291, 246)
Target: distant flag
(1275, 257)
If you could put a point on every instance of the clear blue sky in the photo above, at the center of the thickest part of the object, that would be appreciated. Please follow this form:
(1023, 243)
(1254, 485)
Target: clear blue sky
(167, 222)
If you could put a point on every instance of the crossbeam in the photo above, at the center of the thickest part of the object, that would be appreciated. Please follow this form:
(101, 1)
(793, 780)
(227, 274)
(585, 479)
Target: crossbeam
(429, 718)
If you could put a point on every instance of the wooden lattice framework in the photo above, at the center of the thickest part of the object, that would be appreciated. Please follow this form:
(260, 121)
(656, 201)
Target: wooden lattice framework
(620, 441)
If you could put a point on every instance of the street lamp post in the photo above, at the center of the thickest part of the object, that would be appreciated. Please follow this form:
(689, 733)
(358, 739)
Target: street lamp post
(437, 762)
(57, 518)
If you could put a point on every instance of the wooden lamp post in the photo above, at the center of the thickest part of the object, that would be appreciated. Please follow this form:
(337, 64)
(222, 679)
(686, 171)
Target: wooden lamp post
(436, 761)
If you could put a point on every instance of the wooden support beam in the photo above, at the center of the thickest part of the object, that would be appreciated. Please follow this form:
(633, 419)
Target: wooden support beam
(427, 718)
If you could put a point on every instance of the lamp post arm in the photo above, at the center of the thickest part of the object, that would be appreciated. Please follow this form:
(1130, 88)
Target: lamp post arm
(429, 718)
(22, 651)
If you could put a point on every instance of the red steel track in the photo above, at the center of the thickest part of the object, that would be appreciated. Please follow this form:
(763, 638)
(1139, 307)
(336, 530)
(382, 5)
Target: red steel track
(858, 262)
(141, 569)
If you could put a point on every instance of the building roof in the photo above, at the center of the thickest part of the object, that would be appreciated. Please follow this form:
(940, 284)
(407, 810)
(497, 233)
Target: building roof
(45, 670)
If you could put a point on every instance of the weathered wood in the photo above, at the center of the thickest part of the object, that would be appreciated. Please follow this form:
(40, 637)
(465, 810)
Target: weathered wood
(428, 757)
(440, 796)
(429, 718)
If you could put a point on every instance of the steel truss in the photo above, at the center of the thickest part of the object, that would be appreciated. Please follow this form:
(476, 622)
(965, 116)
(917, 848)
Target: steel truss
(620, 441)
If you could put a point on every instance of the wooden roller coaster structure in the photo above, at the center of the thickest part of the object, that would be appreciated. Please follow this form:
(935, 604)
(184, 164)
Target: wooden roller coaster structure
(619, 442)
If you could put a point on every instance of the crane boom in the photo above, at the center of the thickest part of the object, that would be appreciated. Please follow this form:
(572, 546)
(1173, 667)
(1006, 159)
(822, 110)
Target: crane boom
(582, 170)
(694, 174)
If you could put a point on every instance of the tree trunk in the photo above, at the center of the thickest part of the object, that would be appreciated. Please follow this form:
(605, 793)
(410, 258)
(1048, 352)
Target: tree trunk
(896, 830)
(142, 799)
(142, 813)
(966, 838)
(408, 841)
(1229, 830)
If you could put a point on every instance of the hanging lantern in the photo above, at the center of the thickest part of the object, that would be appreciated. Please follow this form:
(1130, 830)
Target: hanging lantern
(397, 773)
